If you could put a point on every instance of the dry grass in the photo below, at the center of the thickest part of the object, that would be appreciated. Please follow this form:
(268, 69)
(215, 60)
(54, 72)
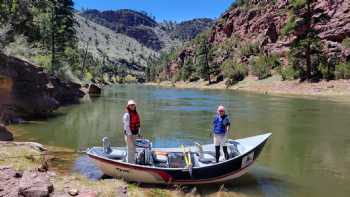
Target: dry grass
(103, 188)
(20, 157)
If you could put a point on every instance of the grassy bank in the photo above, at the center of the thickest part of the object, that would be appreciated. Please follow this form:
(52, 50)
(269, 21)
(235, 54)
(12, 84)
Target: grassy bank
(23, 156)
(337, 89)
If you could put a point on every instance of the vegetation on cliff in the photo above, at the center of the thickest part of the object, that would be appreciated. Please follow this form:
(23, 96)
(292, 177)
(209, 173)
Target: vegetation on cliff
(294, 39)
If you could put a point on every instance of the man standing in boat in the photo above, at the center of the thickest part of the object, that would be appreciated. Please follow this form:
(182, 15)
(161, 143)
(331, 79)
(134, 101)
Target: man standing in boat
(221, 126)
(131, 122)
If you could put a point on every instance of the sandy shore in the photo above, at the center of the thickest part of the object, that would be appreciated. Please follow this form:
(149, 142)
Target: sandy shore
(338, 89)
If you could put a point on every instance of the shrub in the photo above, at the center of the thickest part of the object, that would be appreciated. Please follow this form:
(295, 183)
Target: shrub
(249, 49)
(263, 65)
(234, 72)
(346, 43)
(288, 73)
(187, 70)
(43, 61)
(342, 71)
(290, 25)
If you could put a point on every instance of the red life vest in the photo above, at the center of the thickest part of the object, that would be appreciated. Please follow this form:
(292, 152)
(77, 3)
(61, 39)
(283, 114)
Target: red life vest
(134, 122)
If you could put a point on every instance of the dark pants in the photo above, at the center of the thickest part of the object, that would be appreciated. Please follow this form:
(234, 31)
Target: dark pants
(217, 153)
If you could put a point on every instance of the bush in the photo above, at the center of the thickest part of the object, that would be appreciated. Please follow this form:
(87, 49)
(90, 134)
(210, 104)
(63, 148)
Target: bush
(43, 61)
(187, 70)
(342, 71)
(263, 65)
(234, 72)
(290, 25)
(288, 73)
(346, 43)
(249, 49)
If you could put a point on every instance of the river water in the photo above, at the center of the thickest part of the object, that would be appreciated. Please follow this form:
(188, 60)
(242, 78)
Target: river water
(308, 154)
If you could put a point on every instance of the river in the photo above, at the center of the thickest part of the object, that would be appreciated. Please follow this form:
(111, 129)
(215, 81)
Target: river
(308, 154)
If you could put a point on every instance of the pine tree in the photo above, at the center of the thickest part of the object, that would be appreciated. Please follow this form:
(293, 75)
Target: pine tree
(63, 32)
(306, 50)
(202, 58)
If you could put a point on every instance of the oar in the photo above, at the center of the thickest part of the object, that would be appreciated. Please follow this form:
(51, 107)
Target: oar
(185, 156)
(188, 160)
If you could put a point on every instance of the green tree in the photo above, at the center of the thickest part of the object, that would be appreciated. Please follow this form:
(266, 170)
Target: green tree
(306, 50)
(63, 33)
(202, 57)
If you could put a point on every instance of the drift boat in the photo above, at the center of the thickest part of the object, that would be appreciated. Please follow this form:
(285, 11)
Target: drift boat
(185, 165)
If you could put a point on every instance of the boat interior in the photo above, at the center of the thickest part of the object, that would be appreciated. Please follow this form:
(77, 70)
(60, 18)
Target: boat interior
(194, 156)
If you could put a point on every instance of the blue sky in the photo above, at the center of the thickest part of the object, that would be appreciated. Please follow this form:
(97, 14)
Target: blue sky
(175, 10)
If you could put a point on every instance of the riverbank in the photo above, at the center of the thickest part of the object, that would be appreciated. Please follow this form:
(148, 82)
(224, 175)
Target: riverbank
(337, 89)
(23, 161)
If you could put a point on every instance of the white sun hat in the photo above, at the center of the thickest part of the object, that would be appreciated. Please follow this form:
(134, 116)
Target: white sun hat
(131, 102)
(221, 108)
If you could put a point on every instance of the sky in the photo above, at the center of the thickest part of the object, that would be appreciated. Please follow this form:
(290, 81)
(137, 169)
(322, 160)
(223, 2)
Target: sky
(174, 10)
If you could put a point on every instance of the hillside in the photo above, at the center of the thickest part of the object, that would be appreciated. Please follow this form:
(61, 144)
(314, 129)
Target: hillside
(111, 47)
(187, 30)
(142, 27)
(263, 38)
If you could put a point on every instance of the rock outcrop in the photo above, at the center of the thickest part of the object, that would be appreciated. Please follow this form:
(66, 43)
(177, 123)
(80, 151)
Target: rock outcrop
(5, 134)
(30, 92)
(261, 22)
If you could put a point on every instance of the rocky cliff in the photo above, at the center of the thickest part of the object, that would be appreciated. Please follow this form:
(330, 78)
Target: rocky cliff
(261, 22)
(26, 91)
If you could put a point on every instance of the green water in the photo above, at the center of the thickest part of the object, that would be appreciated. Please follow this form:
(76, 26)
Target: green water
(308, 154)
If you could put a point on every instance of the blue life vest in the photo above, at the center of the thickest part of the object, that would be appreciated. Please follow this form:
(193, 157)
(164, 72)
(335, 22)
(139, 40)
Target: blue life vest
(220, 123)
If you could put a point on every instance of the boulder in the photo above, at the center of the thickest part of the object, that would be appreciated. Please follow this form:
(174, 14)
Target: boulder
(35, 184)
(66, 92)
(5, 134)
(9, 180)
(27, 91)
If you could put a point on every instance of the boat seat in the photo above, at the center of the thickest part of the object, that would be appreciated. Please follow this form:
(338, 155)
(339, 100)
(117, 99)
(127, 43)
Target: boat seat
(161, 157)
(116, 154)
(207, 158)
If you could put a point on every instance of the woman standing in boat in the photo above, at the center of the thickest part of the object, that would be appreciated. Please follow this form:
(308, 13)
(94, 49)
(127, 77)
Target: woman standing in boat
(131, 122)
(221, 127)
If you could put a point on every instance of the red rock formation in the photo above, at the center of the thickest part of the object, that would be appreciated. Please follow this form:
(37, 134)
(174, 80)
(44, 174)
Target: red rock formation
(31, 92)
(263, 22)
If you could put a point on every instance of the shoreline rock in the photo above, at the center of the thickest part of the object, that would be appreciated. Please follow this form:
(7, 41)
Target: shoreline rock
(94, 90)
(336, 89)
(5, 134)
(29, 92)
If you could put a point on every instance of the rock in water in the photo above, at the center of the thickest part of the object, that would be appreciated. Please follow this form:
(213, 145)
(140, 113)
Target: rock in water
(35, 184)
(94, 90)
(73, 192)
(5, 134)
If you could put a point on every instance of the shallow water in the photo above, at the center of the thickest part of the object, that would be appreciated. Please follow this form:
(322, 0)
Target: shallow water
(308, 154)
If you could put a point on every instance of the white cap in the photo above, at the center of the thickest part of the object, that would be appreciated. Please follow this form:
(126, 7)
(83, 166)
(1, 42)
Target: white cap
(131, 102)
(221, 108)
